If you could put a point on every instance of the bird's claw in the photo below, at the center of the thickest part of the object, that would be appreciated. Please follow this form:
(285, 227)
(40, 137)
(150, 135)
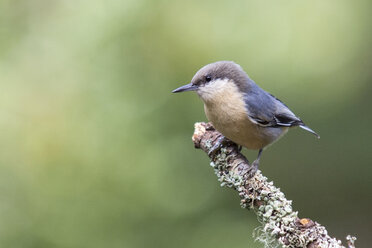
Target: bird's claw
(210, 128)
(218, 145)
(215, 148)
(240, 148)
(253, 168)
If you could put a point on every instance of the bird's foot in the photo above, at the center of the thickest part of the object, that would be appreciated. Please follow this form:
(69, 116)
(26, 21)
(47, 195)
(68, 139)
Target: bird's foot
(253, 168)
(240, 148)
(209, 127)
(218, 145)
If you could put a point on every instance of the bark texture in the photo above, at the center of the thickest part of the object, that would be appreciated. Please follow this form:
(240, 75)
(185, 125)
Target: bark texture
(281, 225)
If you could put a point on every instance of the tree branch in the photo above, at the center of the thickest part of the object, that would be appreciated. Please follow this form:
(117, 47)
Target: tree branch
(280, 224)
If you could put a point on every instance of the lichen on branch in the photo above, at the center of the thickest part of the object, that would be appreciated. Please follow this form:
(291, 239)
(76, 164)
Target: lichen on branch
(281, 226)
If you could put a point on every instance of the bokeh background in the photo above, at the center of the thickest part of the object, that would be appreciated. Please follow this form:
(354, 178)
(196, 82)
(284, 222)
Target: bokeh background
(96, 152)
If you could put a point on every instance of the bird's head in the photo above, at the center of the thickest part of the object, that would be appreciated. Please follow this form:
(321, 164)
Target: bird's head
(217, 79)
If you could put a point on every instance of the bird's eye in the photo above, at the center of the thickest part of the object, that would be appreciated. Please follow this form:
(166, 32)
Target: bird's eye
(208, 78)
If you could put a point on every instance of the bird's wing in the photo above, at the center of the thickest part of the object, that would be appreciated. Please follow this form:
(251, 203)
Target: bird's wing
(266, 110)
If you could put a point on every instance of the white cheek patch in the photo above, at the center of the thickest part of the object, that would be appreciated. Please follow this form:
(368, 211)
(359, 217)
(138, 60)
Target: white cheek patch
(214, 89)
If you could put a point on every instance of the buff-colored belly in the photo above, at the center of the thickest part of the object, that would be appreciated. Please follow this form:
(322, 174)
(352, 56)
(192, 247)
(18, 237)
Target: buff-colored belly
(235, 125)
(225, 107)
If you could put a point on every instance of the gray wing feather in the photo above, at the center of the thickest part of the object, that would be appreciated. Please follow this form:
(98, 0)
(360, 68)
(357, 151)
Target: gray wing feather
(266, 110)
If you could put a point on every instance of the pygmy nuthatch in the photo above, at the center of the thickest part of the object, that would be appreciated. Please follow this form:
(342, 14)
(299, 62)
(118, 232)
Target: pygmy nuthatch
(239, 109)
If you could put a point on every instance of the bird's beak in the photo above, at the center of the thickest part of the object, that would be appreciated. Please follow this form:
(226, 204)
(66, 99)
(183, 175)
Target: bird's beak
(187, 87)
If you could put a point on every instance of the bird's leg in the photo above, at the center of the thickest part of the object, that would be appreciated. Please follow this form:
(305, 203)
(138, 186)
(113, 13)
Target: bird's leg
(254, 165)
(240, 148)
(218, 145)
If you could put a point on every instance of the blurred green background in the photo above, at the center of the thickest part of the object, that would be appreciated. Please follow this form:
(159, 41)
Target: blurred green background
(96, 152)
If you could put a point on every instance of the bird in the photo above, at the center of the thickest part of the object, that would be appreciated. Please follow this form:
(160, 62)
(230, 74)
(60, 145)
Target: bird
(239, 109)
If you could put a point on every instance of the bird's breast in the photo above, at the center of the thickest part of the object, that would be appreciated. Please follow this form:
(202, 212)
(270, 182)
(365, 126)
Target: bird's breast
(228, 114)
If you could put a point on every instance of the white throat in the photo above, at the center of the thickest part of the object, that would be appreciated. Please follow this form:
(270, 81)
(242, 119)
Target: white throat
(216, 89)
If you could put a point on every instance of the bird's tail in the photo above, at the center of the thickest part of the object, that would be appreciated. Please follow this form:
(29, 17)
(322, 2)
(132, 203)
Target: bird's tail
(309, 130)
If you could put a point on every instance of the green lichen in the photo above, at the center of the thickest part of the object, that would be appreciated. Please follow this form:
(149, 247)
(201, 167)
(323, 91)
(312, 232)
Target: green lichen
(274, 212)
(280, 225)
